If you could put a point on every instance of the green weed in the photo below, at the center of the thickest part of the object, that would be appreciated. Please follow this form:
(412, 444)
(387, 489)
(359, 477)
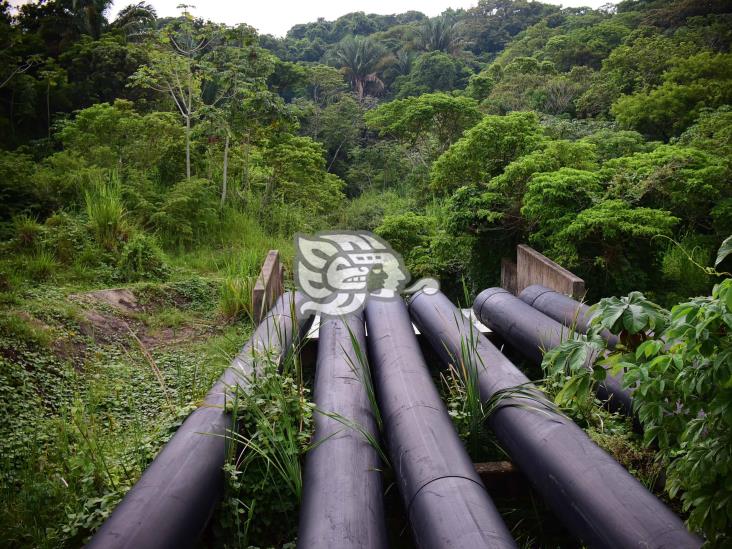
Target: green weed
(141, 258)
(76, 436)
(271, 431)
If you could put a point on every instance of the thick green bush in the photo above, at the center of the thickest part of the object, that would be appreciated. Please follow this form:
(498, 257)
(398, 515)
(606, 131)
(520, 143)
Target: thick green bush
(189, 211)
(142, 259)
(678, 365)
(66, 236)
(485, 150)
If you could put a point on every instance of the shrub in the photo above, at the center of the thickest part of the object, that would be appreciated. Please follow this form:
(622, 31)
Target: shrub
(16, 192)
(368, 210)
(142, 259)
(62, 179)
(485, 150)
(678, 365)
(66, 237)
(427, 251)
(406, 232)
(680, 265)
(189, 211)
(275, 420)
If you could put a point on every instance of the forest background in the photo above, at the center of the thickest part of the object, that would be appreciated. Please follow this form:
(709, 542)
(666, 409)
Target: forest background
(172, 153)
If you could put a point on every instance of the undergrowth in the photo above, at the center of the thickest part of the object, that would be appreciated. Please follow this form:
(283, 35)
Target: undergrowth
(84, 417)
(272, 419)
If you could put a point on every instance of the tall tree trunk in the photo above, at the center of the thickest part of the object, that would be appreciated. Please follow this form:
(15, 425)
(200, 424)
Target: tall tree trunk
(335, 155)
(188, 147)
(226, 170)
(189, 109)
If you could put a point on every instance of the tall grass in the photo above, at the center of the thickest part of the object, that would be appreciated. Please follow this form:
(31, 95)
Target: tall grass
(270, 433)
(267, 403)
(106, 213)
(239, 235)
(235, 300)
(463, 384)
(240, 276)
(41, 265)
(362, 370)
(465, 372)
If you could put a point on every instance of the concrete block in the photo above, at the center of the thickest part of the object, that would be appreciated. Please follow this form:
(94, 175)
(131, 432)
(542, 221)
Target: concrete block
(269, 285)
(535, 268)
(508, 275)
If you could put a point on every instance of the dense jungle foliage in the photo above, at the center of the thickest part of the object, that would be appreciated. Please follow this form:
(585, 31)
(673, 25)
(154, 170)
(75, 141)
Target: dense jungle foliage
(169, 154)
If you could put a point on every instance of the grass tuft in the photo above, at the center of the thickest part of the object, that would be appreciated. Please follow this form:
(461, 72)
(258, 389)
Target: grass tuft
(106, 213)
(41, 265)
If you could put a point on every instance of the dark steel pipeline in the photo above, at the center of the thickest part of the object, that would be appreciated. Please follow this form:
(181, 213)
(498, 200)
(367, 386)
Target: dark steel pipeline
(446, 502)
(171, 503)
(531, 333)
(563, 309)
(591, 493)
(342, 505)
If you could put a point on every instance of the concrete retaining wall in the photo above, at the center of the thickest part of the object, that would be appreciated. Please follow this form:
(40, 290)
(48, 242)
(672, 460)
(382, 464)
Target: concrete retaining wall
(535, 268)
(269, 285)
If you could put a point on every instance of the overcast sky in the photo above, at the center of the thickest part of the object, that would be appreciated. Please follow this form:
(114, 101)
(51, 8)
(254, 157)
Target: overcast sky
(277, 16)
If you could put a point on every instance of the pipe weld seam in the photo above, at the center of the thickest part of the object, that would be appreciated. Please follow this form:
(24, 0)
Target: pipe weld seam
(411, 501)
(544, 291)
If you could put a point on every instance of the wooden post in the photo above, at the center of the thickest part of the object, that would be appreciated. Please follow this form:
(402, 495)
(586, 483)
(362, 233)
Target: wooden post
(269, 285)
(502, 478)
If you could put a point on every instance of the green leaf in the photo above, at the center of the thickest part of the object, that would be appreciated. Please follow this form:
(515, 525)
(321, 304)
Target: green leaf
(724, 250)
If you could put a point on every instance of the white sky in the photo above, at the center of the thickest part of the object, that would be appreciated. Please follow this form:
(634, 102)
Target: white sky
(277, 16)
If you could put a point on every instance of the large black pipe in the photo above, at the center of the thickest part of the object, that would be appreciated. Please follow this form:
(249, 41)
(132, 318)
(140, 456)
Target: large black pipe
(342, 505)
(563, 309)
(446, 502)
(591, 493)
(171, 503)
(531, 333)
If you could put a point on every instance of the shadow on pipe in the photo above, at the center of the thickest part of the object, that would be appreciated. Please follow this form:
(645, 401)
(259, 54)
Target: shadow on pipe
(531, 332)
(342, 505)
(171, 503)
(563, 309)
(591, 493)
(446, 502)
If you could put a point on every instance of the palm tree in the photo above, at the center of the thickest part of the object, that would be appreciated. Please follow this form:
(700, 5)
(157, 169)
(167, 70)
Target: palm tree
(360, 59)
(135, 19)
(90, 15)
(403, 61)
(440, 34)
